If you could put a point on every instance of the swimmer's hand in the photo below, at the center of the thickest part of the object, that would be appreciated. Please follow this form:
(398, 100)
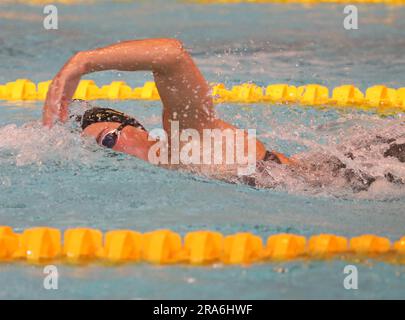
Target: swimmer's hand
(61, 91)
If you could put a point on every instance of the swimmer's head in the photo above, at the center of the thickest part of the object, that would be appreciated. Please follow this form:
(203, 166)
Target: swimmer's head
(96, 115)
(110, 125)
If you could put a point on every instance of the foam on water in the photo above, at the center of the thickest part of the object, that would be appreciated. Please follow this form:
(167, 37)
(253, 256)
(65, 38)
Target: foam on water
(32, 144)
(341, 161)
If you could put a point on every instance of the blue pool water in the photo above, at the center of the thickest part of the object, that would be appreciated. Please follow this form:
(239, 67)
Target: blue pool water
(59, 180)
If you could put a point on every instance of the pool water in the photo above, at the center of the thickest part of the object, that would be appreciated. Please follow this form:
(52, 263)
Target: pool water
(60, 180)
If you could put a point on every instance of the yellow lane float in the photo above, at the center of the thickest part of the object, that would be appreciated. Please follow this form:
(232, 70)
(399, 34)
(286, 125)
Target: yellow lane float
(203, 247)
(378, 98)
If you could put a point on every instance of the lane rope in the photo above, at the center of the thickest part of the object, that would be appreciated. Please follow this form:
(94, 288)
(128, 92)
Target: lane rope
(303, 2)
(44, 244)
(378, 98)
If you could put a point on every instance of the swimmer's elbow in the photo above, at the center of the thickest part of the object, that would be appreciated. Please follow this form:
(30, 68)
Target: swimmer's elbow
(175, 52)
(79, 62)
(175, 45)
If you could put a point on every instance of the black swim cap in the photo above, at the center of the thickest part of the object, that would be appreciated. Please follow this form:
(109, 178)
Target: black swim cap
(96, 115)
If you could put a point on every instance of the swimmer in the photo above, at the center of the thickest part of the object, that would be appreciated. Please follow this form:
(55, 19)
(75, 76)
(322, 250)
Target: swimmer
(186, 98)
(184, 92)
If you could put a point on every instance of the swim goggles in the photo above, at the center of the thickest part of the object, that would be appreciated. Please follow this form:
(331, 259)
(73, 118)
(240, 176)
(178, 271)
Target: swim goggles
(110, 138)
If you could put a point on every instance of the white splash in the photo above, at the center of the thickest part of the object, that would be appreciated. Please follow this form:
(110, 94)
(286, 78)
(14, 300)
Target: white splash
(349, 161)
(342, 165)
(31, 143)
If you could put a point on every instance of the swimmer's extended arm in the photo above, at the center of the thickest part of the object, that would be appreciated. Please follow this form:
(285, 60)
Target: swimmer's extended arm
(182, 87)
